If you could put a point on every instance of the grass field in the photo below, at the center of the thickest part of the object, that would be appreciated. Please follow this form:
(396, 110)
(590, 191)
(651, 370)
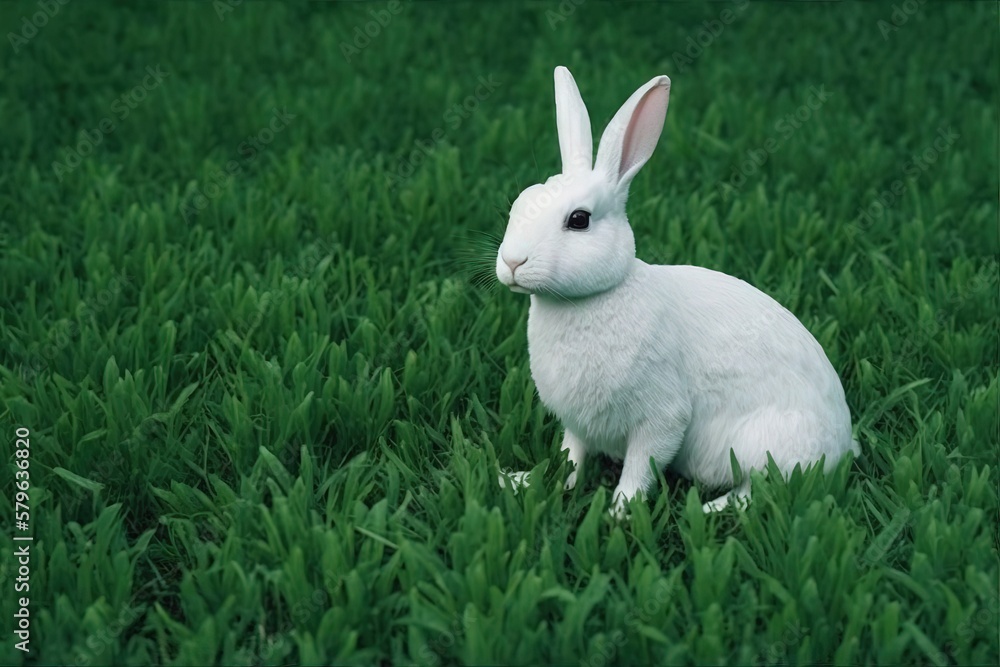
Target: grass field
(249, 322)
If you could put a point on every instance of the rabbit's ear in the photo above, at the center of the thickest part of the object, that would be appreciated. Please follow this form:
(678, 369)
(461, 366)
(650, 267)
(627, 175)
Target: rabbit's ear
(576, 145)
(631, 136)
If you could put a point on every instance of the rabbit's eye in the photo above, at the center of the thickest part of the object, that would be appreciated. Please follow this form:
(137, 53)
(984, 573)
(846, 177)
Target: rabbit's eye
(578, 219)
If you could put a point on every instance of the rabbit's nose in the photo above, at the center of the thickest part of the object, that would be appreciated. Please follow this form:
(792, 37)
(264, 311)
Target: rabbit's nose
(514, 263)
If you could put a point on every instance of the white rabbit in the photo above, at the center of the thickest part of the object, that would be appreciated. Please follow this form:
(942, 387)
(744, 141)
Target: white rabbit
(675, 363)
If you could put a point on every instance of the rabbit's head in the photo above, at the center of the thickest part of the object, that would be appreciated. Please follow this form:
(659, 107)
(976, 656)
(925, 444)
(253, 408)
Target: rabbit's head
(569, 237)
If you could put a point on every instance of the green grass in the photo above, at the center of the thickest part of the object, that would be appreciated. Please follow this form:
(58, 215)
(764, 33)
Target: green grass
(266, 414)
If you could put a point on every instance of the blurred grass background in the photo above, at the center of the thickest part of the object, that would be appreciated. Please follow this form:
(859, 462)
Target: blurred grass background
(267, 395)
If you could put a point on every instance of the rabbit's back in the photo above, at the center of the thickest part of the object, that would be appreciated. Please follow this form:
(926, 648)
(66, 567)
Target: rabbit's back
(759, 380)
(741, 345)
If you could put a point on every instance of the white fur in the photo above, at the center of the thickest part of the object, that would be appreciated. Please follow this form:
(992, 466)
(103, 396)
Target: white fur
(675, 363)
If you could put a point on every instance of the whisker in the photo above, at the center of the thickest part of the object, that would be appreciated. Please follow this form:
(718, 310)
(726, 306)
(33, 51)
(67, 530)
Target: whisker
(565, 299)
(475, 259)
(556, 293)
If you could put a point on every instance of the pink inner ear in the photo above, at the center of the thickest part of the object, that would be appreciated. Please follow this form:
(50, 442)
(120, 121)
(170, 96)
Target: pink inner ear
(644, 129)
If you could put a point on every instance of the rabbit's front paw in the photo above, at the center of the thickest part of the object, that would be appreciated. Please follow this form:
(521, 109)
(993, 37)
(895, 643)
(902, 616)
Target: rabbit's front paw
(738, 498)
(570, 481)
(716, 505)
(619, 508)
(517, 478)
